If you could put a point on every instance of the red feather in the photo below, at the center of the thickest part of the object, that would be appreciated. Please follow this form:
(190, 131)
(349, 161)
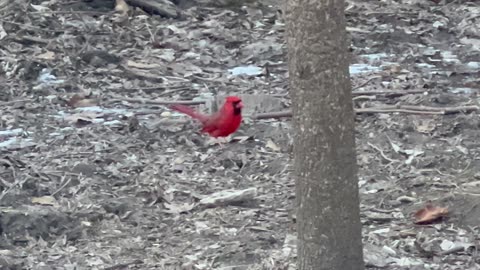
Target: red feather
(220, 124)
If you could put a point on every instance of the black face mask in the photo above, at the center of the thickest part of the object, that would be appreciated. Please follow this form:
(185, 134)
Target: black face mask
(236, 110)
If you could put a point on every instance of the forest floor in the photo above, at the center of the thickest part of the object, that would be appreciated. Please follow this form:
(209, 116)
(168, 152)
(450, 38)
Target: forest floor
(112, 180)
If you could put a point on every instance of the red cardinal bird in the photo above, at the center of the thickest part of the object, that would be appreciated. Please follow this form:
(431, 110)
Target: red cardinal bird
(220, 124)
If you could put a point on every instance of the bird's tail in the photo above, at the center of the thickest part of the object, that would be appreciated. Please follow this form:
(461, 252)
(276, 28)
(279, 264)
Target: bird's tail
(190, 112)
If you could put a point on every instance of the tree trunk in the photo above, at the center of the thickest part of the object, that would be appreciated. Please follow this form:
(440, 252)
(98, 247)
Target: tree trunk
(329, 228)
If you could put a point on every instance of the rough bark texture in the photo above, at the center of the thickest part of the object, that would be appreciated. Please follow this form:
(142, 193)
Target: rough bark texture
(329, 228)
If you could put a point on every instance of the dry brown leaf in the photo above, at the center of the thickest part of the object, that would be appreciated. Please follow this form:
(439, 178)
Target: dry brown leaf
(82, 118)
(424, 125)
(174, 208)
(48, 55)
(270, 144)
(121, 6)
(80, 101)
(429, 214)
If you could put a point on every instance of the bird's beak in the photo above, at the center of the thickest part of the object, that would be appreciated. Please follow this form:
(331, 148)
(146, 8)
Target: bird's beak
(239, 105)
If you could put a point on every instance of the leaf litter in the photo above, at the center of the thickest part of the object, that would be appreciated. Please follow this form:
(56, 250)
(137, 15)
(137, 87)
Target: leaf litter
(96, 175)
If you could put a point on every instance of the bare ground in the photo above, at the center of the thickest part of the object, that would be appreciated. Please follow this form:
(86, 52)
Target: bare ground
(121, 185)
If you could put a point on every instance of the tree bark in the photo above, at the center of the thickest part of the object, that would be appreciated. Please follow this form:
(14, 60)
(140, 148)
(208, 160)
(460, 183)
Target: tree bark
(329, 228)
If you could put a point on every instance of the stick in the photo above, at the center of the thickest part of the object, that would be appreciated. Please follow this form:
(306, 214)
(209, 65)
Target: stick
(388, 93)
(366, 82)
(198, 102)
(388, 109)
(159, 102)
(15, 101)
(18, 182)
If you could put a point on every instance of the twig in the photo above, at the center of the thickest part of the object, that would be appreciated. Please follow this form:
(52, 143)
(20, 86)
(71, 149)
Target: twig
(381, 110)
(231, 267)
(391, 13)
(70, 12)
(124, 265)
(274, 115)
(387, 109)
(63, 186)
(23, 39)
(227, 197)
(33, 27)
(6, 103)
(162, 87)
(5, 183)
(159, 102)
(5, 192)
(358, 94)
(445, 110)
(382, 153)
(206, 79)
(388, 93)
(6, 161)
(142, 74)
(366, 82)
(364, 97)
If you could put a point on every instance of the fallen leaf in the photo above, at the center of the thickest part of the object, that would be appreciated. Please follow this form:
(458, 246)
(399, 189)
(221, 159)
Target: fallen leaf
(80, 101)
(166, 114)
(270, 144)
(174, 208)
(82, 118)
(48, 55)
(446, 244)
(3, 33)
(86, 223)
(412, 153)
(425, 126)
(395, 146)
(44, 200)
(40, 8)
(462, 149)
(429, 214)
(121, 6)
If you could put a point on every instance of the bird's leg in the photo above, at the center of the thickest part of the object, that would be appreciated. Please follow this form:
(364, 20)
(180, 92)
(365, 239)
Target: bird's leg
(221, 141)
(213, 141)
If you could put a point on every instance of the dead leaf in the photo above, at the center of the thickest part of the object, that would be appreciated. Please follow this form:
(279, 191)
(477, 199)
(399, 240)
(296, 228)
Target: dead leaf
(40, 8)
(475, 42)
(82, 118)
(395, 146)
(270, 144)
(3, 33)
(121, 6)
(86, 223)
(80, 101)
(424, 125)
(174, 208)
(44, 200)
(48, 55)
(429, 214)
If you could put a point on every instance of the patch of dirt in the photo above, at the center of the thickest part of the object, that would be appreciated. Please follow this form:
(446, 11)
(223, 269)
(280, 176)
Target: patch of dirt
(113, 180)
